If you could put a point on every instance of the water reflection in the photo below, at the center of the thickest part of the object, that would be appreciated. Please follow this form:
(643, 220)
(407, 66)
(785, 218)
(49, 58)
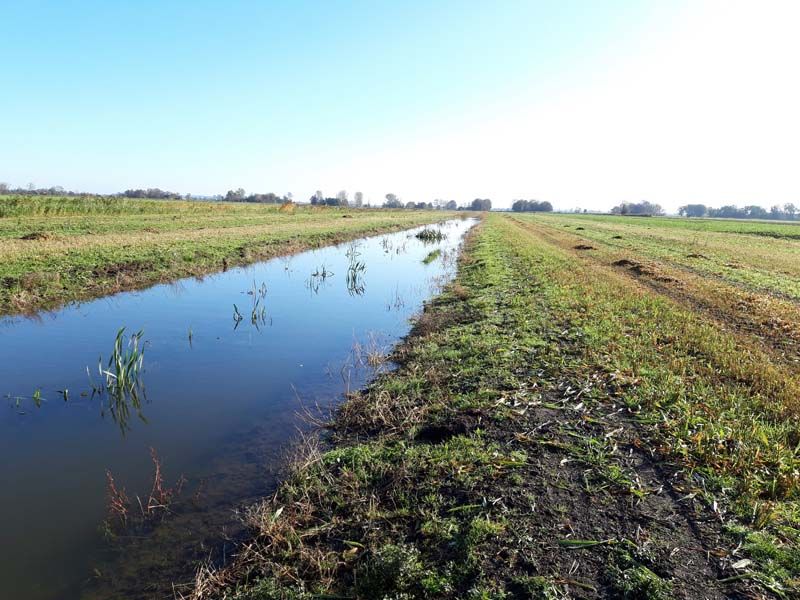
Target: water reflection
(220, 403)
(355, 271)
(258, 309)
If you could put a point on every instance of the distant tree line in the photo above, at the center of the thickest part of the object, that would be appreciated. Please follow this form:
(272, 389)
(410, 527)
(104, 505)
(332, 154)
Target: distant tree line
(57, 190)
(240, 195)
(787, 212)
(481, 204)
(154, 193)
(32, 190)
(643, 208)
(341, 199)
(531, 206)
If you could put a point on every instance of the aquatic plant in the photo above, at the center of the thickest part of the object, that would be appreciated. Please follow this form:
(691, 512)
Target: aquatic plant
(258, 312)
(431, 235)
(318, 278)
(158, 501)
(160, 496)
(259, 292)
(121, 383)
(352, 251)
(355, 279)
(122, 373)
(118, 502)
(397, 301)
(432, 256)
(322, 273)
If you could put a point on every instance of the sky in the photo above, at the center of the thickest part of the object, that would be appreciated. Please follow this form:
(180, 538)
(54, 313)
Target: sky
(585, 103)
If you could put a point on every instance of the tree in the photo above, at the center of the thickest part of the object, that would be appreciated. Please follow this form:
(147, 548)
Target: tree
(532, 206)
(727, 212)
(451, 205)
(481, 204)
(392, 201)
(358, 199)
(693, 210)
(342, 198)
(755, 212)
(643, 208)
(3, 187)
(235, 196)
(790, 209)
(410, 205)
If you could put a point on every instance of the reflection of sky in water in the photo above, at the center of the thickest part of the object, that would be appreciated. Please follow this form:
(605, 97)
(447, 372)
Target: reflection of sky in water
(229, 379)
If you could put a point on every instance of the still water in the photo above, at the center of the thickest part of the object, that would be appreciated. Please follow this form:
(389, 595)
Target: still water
(222, 389)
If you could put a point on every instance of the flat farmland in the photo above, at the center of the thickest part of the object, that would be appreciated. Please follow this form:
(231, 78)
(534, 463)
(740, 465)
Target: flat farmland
(55, 250)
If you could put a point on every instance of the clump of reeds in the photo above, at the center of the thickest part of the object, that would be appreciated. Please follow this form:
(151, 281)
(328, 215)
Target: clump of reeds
(122, 374)
(121, 377)
(432, 256)
(431, 235)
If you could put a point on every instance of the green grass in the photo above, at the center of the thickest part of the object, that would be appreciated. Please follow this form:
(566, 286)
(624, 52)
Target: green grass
(760, 255)
(554, 427)
(58, 250)
(774, 229)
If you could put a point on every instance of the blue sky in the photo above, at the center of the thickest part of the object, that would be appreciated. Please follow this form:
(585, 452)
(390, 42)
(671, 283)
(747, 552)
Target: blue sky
(423, 99)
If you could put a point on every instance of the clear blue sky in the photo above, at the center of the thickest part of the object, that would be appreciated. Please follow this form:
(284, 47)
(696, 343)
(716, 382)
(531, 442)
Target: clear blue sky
(404, 97)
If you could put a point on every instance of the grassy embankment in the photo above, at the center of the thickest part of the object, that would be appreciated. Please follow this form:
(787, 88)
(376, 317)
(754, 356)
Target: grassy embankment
(559, 426)
(57, 250)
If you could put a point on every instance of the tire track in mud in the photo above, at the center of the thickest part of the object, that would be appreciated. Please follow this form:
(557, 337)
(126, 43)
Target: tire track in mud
(619, 493)
(748, 314)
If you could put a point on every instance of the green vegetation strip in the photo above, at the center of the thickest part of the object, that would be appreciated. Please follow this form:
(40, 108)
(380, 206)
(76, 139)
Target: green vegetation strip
(763, 256)
(552, 428)
(57, 250)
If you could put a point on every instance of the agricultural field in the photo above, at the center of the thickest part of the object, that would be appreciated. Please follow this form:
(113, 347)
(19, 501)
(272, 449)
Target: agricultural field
(54, 250)
(596, 407)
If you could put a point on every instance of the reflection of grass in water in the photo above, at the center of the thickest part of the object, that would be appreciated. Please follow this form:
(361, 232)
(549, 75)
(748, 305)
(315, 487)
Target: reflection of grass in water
(258, 312)
(432, 256)
(355, 278)
(121, 384)
(352, 251)
(318, 278)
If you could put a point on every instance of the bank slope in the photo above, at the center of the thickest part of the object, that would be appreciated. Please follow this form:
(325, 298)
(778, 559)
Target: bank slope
(554, 429)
